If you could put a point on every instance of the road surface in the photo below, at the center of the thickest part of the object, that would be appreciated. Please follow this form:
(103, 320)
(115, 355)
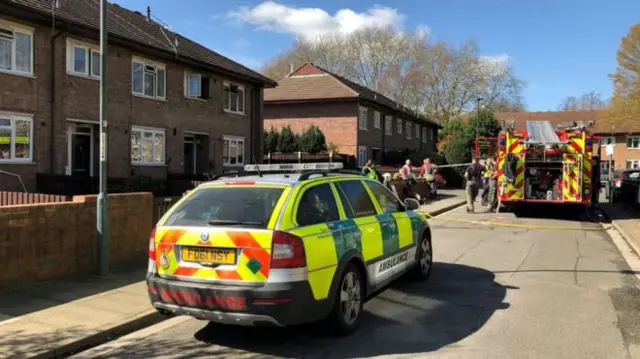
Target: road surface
(495, 292)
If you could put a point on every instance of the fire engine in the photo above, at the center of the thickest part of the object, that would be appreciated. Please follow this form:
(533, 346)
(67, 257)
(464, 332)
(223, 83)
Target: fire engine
(545, 164)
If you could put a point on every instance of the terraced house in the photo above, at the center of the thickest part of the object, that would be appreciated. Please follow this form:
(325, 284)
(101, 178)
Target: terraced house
(174, 106)
(362, 122)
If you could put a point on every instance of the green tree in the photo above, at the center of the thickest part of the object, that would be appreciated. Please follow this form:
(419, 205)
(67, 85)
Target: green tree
(459, 136)
(286, 140)
(312, 140)
(270, 140)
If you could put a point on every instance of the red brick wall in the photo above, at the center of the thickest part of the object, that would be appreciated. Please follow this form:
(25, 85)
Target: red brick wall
(77, 98)
(621, 154)
(49, 240)
(338, 121)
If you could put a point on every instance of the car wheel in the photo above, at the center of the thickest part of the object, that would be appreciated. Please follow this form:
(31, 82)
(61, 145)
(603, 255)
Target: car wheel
(348, 304)
(424, 259)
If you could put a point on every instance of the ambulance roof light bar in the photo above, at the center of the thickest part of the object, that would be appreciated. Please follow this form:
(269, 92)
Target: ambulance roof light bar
(293, 167)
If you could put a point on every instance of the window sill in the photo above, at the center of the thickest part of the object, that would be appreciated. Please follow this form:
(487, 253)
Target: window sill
(16, 162)
(363, 129)
(235, 112)
(17, 73)
(83, 76)
(200, 99)
(233, 165)
(150, 98)
(142, 164)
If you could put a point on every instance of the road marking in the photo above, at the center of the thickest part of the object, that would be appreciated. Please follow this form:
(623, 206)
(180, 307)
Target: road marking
(625, 249)
(132, 338)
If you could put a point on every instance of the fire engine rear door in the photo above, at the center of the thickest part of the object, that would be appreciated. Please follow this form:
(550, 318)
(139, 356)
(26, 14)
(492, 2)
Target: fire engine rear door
(572, 177)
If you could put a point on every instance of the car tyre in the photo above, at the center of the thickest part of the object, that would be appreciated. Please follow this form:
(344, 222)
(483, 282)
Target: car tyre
(424, 259)
(348, 303)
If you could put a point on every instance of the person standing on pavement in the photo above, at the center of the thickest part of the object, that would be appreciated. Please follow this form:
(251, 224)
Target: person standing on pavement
(408, 178)
(490, 172)
(473, 176)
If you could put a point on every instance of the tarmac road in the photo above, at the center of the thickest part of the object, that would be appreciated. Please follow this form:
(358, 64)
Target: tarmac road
(495, 292)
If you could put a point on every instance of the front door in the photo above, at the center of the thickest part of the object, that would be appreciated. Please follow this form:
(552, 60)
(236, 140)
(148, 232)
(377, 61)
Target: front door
(81, 150)
(376, 155)
(189, 154)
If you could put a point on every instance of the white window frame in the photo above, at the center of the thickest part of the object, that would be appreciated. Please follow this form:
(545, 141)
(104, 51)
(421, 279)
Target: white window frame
(633, 163)
(13, 117)
(362, 160)
(632, 138)
(376, 120)
(244, 150)
(399, 125)
(156, 66)
(408, 130)
(388, 125)
(154, 131)
(89, 51)
(363, 114)
(227, 106)
(604, 142)
(418, 131)
(187, 86)
(424, 134)
(13, 27)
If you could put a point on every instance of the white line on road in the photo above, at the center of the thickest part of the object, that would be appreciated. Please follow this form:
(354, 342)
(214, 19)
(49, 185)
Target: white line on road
(132, 338)
(627, 252)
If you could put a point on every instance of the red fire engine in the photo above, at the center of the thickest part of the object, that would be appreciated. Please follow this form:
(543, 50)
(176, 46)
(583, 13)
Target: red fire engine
(545, 164)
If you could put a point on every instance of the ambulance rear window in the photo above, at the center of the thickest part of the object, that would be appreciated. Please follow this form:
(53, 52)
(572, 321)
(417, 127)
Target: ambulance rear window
(249, 206)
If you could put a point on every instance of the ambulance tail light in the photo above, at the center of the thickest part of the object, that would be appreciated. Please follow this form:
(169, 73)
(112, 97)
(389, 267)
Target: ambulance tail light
(287, 251)
(152, 252)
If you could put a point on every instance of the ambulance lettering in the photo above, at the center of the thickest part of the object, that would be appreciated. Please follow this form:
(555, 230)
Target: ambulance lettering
(393, 261)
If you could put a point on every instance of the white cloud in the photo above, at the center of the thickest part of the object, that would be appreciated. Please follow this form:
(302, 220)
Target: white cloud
(241, 43)
(495, 64)
(312, 22)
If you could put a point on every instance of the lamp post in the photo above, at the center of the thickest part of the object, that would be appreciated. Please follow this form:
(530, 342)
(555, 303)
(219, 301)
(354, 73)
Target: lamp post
(102, 212)
(478, 118)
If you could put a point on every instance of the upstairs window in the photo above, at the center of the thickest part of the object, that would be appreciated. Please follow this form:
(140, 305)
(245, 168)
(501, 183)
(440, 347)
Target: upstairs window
(607, 140)
(16, 49)
(388, 125)
(417, 131)
(633, 142)
(376, 120)
(196, 86)
(362, 118)
(399, 125)
(148, 79)
(408, 130)
(233, 99)
(83, 60)
(424, 135)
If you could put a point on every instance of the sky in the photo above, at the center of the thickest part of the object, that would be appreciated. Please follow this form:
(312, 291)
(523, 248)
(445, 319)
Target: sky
(559, 48)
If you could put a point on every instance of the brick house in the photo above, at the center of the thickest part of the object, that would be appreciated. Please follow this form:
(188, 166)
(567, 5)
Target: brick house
(624, 135)
(360, 121)
(173, 105)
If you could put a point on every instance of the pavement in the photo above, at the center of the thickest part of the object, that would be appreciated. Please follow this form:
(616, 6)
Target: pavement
(56, 318)
(555, 287)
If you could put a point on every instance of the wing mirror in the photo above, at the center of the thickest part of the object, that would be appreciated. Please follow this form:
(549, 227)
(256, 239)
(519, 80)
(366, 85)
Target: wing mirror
(412, 204)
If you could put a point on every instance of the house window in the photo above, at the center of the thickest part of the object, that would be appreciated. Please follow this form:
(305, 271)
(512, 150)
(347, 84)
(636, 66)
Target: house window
(233, 98)
(633, 142)
(148, 79)
(363, 154)
(424, 135)
(388, 125)
(633, 164)
(607, 140)
(196, 86)
(408, 130)
(376, 120)
(399, 125)
(430, 131)
(16, 49)
(147, 146)
(16, 138)
(83, 60)
(233, 151)
(417, 131)
(362, 118)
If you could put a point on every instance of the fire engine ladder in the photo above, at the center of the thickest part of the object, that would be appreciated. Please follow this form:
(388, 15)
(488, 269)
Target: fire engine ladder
(542, 133)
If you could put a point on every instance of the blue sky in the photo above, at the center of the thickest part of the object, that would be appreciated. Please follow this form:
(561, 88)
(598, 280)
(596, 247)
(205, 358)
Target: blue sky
(560, 47)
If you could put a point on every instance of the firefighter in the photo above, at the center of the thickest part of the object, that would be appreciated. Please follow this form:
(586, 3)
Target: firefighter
(473, 176)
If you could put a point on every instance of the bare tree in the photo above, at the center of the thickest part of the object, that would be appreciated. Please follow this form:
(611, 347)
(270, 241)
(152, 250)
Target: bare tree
(588, 101)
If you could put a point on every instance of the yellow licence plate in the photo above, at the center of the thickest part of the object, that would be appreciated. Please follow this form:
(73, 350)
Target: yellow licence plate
(209, 255)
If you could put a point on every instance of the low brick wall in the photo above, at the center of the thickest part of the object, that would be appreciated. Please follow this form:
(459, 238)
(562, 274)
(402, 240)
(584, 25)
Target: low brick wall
(41, 241)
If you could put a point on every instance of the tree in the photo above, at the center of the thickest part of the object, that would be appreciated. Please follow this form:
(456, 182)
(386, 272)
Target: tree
(435, 79)
(588, 101)
(286, 140)
(625, 103)
(459, 135)
(312, 140)
(270, 143)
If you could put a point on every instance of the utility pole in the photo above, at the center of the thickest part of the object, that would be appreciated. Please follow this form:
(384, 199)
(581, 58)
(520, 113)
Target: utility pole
(102, 210)
(478, 118)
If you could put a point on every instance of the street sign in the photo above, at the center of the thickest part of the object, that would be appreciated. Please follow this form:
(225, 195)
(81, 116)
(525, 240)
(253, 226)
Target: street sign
(609, 148)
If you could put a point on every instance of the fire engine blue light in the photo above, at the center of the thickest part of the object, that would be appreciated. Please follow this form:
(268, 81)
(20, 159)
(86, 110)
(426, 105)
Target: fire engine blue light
(587, 142)
(502, 142)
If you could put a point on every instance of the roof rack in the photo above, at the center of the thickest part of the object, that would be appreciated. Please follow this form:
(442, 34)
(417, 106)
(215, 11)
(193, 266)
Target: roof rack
(293, 167)
(324, 173)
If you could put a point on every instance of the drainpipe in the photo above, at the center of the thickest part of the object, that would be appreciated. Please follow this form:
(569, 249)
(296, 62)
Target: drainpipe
(52, 92)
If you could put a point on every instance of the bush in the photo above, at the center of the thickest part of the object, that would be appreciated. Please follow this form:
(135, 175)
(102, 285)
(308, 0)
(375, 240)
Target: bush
(286, 140)
(312, 140)
(271, 138)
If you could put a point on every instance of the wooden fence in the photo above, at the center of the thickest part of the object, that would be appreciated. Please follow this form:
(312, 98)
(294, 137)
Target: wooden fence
(8, 198)
(161, 205)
